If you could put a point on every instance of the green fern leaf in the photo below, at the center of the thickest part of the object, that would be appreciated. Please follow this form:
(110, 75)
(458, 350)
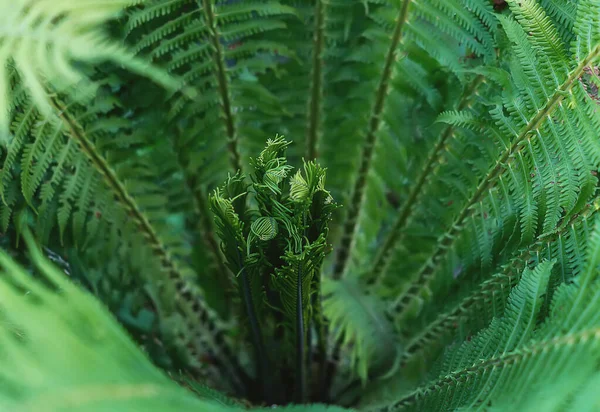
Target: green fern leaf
(359, 323)
(43, 38)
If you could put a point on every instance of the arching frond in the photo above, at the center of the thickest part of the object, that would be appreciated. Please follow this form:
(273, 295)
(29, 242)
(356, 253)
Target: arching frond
(414, 22)
(500, 359)
(68, 368)
(42, 40)
(219, 48)
(478, 304)
(359, 323)
(530, 134)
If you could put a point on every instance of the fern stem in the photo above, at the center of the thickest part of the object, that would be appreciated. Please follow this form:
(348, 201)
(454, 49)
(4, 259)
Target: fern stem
(369, 145)
(189, 301)
(377, 272)
(316, 92)
(320, 326)
(300, 342)
(223, 82)
(445, 243)
(509, 358)
(264, 373)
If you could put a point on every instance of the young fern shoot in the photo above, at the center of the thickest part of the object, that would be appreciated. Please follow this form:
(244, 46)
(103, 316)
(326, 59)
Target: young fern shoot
(276, 249)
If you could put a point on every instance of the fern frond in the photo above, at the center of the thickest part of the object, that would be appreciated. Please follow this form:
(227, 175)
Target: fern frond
(506, 333)
(563, 15)
(294, 282)
(586, 28)
(586, 343)
(359, 323)
(219, 48)
(229, 212)
(428, 25)
(489, 367)
(191, 302)
(62, 370)
(404, 214)
(42, 41)
(367, 152)
(486, 300)
(277, 251)
(521, 140)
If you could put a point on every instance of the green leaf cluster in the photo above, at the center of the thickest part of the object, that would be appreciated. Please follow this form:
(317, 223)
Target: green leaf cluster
(276, 251)
(460, 136)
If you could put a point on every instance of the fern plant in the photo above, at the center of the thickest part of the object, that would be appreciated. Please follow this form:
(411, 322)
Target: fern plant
(157, 254)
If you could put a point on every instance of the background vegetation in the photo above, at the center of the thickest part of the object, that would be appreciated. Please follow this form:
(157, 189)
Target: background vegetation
(460, 138)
